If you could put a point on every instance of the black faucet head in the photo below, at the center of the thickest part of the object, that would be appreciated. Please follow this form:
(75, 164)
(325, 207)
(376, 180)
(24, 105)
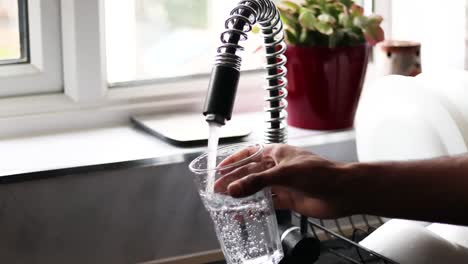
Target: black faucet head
(221, 94)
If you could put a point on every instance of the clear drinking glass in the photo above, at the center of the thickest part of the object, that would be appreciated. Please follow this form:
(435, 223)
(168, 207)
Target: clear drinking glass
(246, 228)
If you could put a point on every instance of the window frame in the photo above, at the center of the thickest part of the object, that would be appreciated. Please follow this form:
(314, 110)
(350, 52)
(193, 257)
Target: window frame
(85, 99)
(23, 35)
(24, 31)
(44, 67)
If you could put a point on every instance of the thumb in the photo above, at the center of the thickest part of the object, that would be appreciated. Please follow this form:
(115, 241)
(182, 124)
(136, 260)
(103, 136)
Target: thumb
(255, 182)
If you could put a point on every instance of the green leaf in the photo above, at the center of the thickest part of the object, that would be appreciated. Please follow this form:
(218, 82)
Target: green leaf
(356, 10)
(347, 3)
(337, 38)
(375, 20)
(322, 4)
(327, 19)
(331, 23)
(291, 38)
(307, 18)
(336, 10)
(345, 20)
(351, 34)
(289, 20)
(289, 7)
(361, 22)
(324, 28)
(304, 36)
(311, 2)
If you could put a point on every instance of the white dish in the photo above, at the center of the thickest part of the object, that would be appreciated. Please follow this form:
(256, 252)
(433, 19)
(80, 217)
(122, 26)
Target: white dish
(454, 234)
(408, 243)
(398, 119)
(451, 87)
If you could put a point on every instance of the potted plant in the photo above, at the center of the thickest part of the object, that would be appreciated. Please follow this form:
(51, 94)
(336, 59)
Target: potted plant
(328, 47)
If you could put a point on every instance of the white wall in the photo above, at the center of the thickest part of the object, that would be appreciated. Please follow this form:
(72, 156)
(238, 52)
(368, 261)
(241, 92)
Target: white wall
(439, 25)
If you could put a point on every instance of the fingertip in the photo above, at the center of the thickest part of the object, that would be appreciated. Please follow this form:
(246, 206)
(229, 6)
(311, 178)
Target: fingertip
(235, 190)
(219, 187)
(269, 163)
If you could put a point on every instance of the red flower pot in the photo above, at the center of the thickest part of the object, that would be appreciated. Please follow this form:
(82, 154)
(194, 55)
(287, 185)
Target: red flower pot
(325, 85)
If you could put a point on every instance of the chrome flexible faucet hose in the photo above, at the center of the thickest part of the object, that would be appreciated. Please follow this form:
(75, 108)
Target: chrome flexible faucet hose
(226, 70)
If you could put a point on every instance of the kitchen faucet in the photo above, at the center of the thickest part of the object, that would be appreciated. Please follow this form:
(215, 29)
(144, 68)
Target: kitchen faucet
(297, 245)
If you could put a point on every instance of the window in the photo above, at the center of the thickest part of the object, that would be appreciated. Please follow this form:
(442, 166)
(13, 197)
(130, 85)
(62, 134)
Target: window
(13, 29)
(441, 30)
(84, 63)
(157, 39)
(30, 54)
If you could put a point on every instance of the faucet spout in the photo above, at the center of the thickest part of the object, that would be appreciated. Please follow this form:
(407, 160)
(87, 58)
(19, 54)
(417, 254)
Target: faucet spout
(221, 94)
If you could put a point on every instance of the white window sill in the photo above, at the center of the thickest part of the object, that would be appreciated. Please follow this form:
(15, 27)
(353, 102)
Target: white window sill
(88, 145)
(121, 144)
(48, 114)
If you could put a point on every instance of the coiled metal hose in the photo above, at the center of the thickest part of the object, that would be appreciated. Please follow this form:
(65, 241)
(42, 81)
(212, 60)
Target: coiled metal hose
(241, 21)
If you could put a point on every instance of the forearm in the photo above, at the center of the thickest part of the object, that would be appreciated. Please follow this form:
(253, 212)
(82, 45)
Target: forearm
(432, 190)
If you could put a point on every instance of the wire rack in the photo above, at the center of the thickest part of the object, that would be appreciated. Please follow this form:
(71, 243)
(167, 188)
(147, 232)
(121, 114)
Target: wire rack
(339, 239)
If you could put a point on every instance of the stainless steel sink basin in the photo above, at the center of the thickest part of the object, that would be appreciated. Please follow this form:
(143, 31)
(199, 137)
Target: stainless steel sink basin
(117, 213)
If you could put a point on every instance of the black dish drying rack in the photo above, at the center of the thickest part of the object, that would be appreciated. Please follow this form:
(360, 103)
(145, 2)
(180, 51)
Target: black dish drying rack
(339, 239)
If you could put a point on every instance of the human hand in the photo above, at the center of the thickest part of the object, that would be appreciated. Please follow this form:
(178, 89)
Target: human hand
(301, 181)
